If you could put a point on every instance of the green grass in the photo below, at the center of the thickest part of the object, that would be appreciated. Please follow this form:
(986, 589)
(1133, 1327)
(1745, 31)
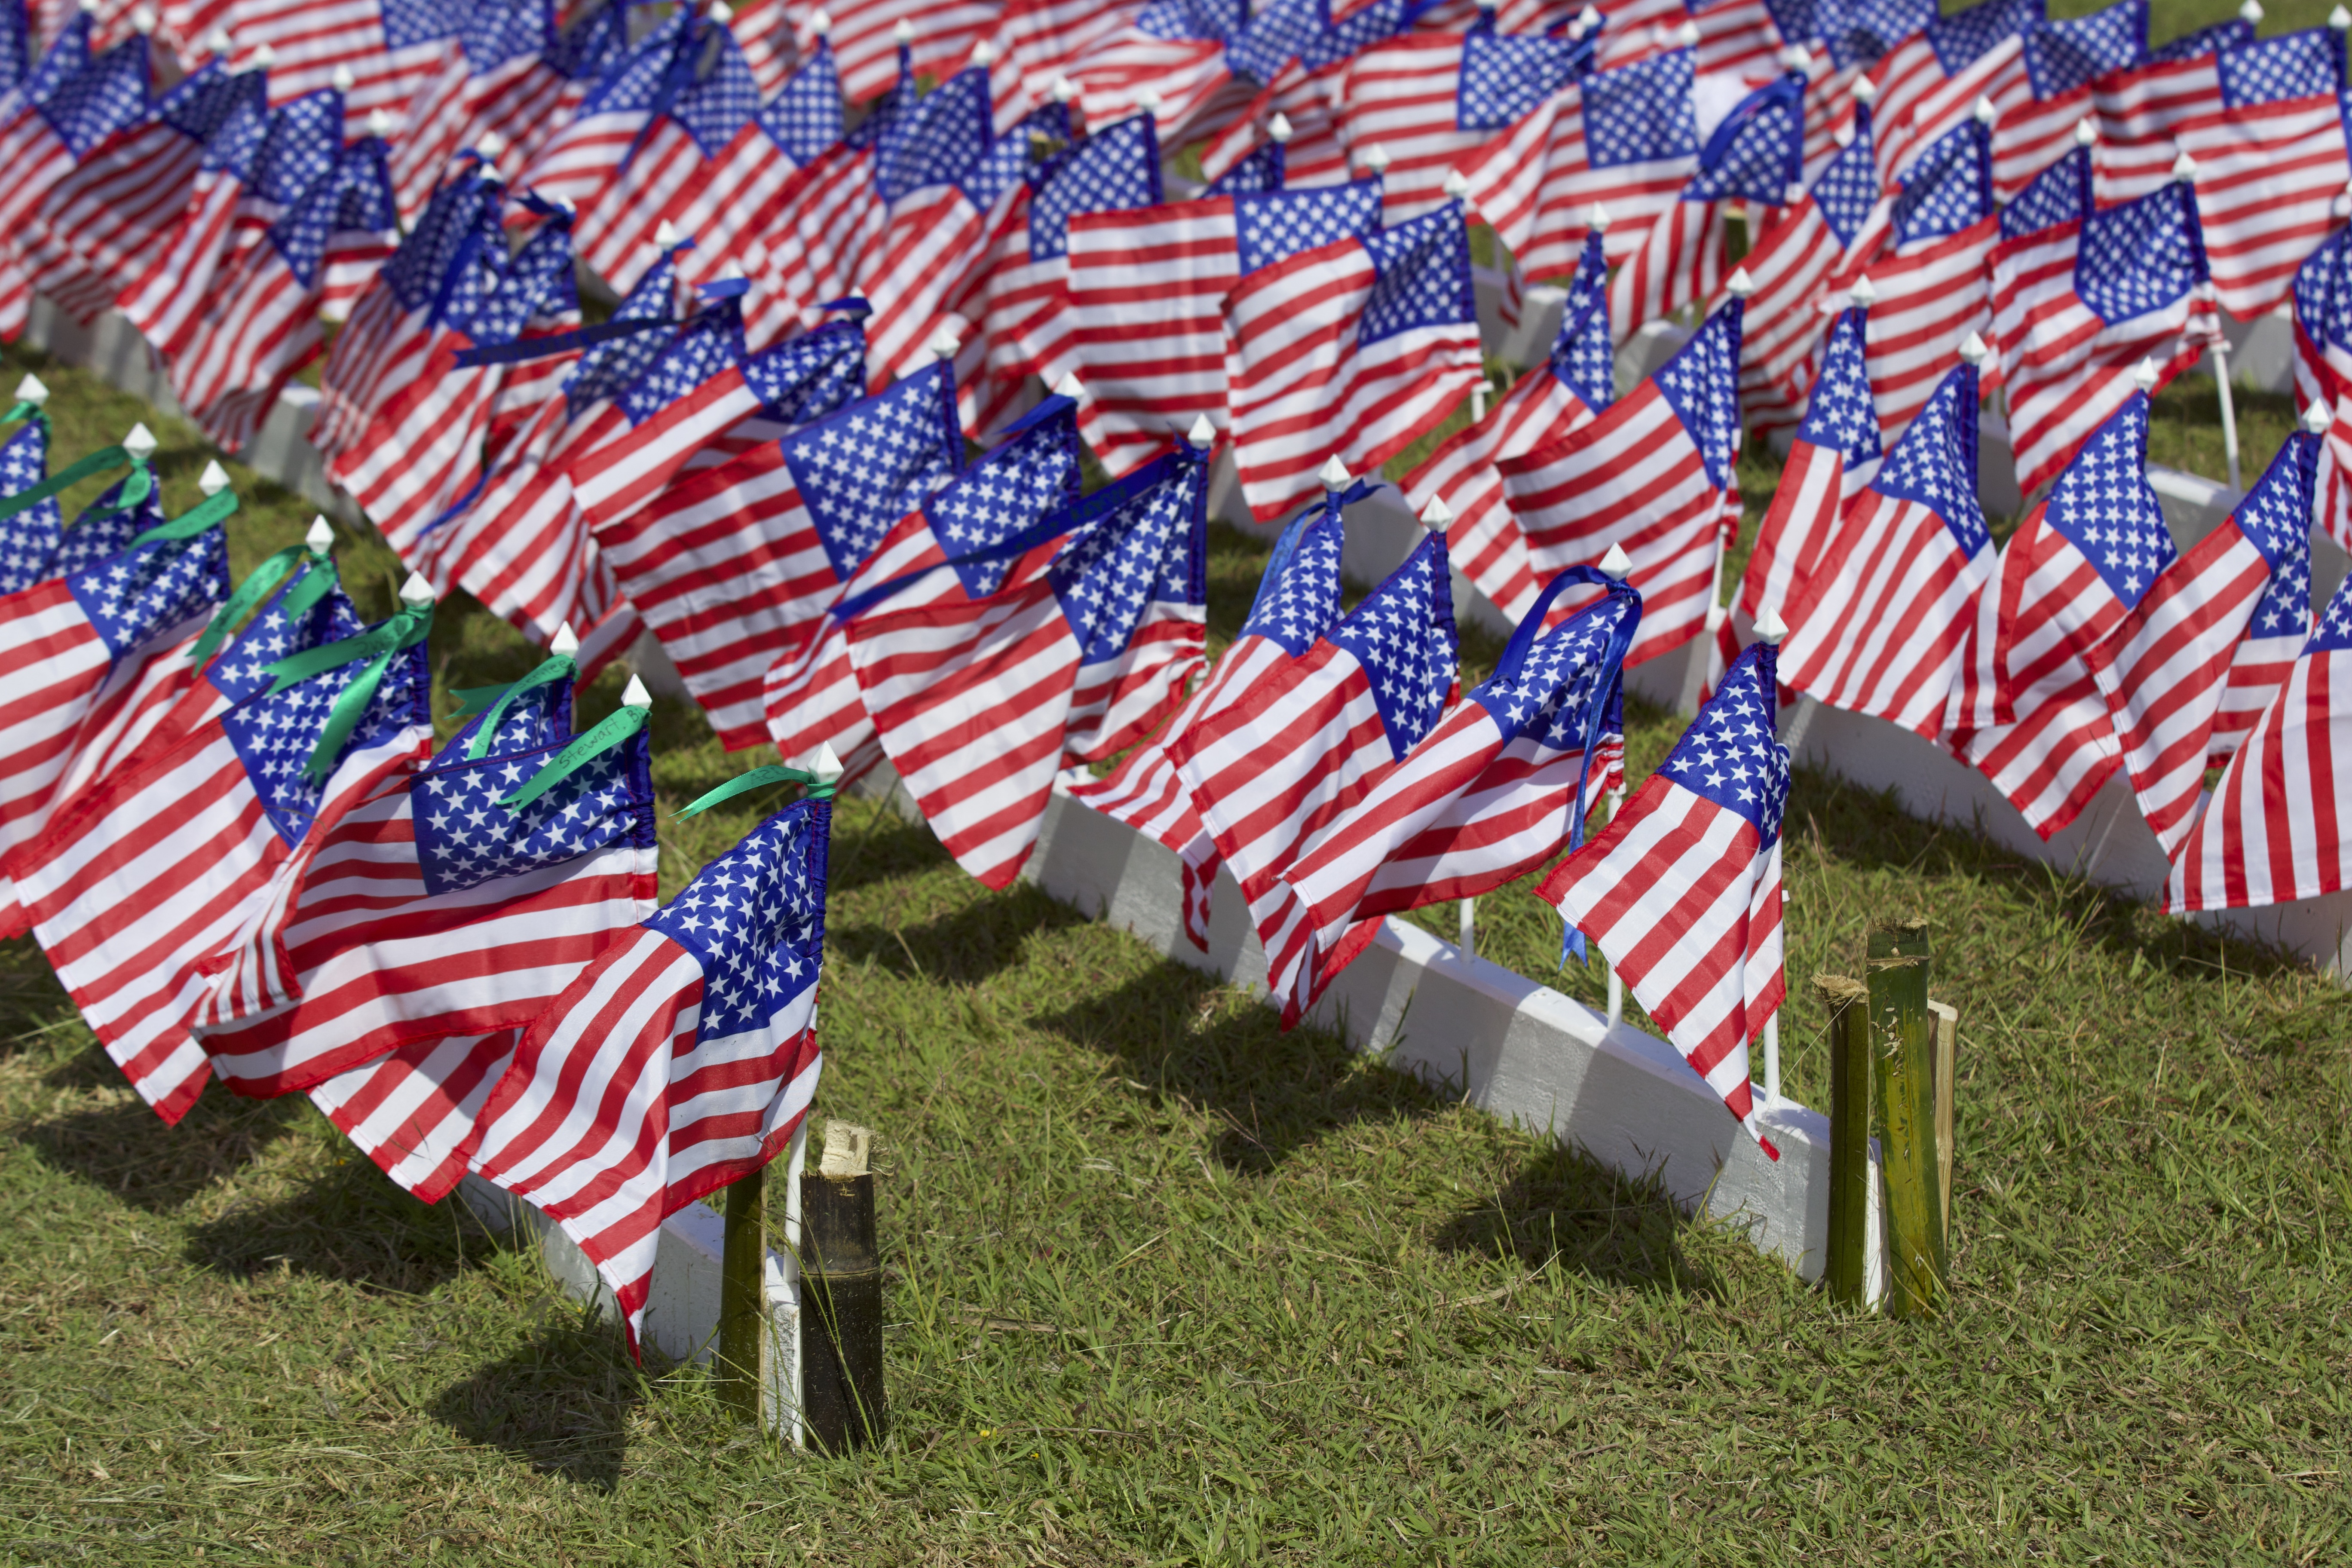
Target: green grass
(1168, 1285)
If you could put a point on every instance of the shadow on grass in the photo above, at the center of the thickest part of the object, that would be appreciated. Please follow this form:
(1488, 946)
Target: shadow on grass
(125, 1148)
(1566, 1210)
(978, 941)
(1175, 1031)
(351, 1226)
(561, 1403)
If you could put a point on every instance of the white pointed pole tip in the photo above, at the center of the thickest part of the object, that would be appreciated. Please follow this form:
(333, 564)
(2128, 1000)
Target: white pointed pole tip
(731, 271)
(2252, 12)
(213, 480)
(1865, 90)
(944, 344)
(1436, 516)
(824, 767)
(1688, 35)
(1597, 219)
(820, 24)
(1985, 112)
(1796, 57)
(2144, 375)
(217, 42)
(2317, 417)
(139, 443)
(1148, 101)
(1590, 17)
(320, 539)
(2340, 19)
(1070, 386)
(1864, 293)
(142, 21)
(1375, 158)
(1203, 435)
(1334, 474)
(665, 234)
(1616, 564)
(904, 32)
(264, 56)
(2184, 169)
(565, 644)
(1791, 194)
(635, 695)
(1064, 90)
(1740, 285)
(342, 80)
(1770, 627)
(32, 390)
(1974, 350)
(1457, 184)
(983, 54)
(1278, 130)
(717, 11)
(491, 146)
(379, 124)
(417, 593)
(2086, 130)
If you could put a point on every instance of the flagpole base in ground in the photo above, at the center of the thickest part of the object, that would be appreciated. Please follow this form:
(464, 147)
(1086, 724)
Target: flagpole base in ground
(841, 1298)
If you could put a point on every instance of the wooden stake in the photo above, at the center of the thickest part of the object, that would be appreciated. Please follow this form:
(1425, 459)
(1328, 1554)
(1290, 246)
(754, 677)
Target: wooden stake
(742, 1304)
(1903, 1039)
(1845, 1271)
(1947, 1054)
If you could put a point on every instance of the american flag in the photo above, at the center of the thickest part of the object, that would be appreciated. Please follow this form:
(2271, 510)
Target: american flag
(810, 693)
(1878, 628)
(1755, 158)
(2080, 306)
(2323, 370)
(1682, 890)
(1350, 349)
(508, 80)
(1833, 458)
(2064, 62)
(30, 536)
(2274, 831)
(581, 161)
(977, 698)
(392, 49)
(100, 228)
(1831, 233)
(66, 54)
(416, 1111)
(365, 230)
(1654, 475)
(729, 195)
(732, 565)
(74, 639)
(1301, 744)
(1574, 383)
(864, 37)
(704, 101)
(423, 905)
(1429, 100)
(1627, 139)
(42, 142)
(2269, 145)
(1928, 282)
(1297, 602)
(1499, 787)
(128, 917)
(2080, 562)
(1940, 65)
(1148, 291)
(682, 1060)
(2164, 671)
(1020, 301)
(2137, 114)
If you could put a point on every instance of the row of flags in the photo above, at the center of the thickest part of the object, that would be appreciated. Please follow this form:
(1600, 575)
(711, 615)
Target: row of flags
(934, 328)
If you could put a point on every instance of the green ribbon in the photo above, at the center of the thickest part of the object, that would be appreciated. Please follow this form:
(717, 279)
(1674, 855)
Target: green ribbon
(761, 778)
(379, 646)
(209, 512)
(135, 491)
(613, 729)
(98, 462)
(257, 586)
(32, 411)
(498, 698)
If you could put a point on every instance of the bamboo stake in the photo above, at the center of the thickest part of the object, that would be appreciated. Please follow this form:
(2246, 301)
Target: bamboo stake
(1849, 1189)
(742, 1296)
(1947, 1031)
(1904, 1045)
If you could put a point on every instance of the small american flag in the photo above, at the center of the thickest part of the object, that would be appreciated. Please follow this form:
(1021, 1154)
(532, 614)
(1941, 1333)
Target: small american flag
(811, 694)
(1350, 349)
(1431, 99)
(1682, 890)
(2274, 831)
(1755, 158)
(577, 164)
(1832, 459)
(45, 136)
(29, 538)
(2080, 306)
(1302, 743)
(393, 48)
(497, 82)
(2065, 64)
(2323, 370)
(977, 698)
(682, 1060)
(1562, 394)
(733, 565)
(2164, 671)
(1627, 139)
(1297, 602)
(1654, 475)
(872, 60)
(1499, 787)
(1928, 282)
(1148, 290)
(2137, 114)
(423, 905)
(720, 205)
(1878, 625)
